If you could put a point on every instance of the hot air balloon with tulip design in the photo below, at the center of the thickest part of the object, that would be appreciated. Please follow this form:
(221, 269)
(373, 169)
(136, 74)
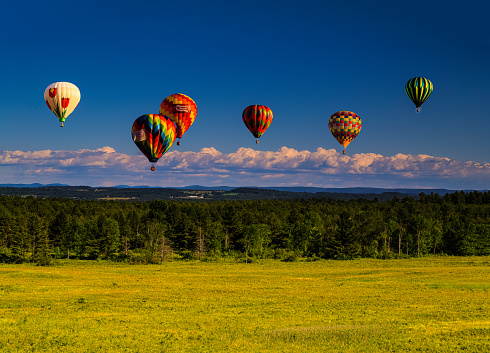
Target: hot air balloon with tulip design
(62, 98)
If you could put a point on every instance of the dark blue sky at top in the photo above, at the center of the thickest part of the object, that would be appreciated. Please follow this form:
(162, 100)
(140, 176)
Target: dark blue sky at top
(305, 60)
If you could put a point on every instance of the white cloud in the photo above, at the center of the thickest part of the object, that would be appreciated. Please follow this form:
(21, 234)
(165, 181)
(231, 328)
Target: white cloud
(245, 167)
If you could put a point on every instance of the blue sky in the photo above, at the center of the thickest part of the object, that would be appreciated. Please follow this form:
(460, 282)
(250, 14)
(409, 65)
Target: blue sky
(305, 60)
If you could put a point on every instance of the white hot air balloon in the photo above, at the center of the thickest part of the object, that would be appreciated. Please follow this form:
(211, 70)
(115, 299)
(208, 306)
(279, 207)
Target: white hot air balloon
(62, 98)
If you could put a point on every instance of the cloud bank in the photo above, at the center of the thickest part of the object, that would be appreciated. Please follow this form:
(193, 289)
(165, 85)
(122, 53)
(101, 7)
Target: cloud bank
(245, 167)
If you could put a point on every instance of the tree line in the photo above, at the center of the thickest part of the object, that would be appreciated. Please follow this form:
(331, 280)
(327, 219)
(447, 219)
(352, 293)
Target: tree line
(40, 230)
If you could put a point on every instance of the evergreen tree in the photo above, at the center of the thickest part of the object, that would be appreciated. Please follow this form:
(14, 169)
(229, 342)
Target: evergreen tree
(21, 242)
(41, 250)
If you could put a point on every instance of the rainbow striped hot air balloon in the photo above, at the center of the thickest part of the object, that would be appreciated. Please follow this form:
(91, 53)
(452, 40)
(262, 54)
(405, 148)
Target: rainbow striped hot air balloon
(153, 134)
(345, 126)
(181, 109)
(62, 98)
(257, 118)
(419, 89)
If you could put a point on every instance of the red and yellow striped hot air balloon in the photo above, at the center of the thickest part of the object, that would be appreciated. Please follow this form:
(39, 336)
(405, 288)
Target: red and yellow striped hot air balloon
(257, 118)
(181, 109)
(345, 126)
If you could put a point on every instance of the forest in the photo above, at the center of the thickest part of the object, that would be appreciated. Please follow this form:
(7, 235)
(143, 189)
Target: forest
(41, 230)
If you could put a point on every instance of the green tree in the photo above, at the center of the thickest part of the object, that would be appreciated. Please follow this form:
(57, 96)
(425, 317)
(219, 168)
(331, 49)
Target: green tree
(348, 235)
(418, 225)
(216, 236)
(108, 236)
(6, 230)
(256, 240)
(154, 240)
(41, 250)
(59, 232)
(21, 242)
(330, 247)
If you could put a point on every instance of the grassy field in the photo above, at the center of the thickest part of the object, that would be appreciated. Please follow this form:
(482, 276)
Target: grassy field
(437, 304)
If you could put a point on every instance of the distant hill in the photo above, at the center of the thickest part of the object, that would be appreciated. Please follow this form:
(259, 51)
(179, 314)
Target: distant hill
(354, 190)
(203, 193)
(35, 185)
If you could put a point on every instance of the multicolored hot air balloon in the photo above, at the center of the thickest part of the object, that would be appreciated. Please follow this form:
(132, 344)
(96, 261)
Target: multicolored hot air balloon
(181, 109)
(345, 126)
(153, 134)
(257, 118)
(62, 98)
(419, 89)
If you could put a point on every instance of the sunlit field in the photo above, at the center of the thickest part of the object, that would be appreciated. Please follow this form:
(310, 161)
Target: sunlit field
(437, 304)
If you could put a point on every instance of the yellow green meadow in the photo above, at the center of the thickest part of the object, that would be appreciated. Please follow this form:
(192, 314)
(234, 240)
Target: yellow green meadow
(436, 304)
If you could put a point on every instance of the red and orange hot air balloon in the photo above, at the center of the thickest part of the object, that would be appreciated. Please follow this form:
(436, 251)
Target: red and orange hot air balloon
(345, 126)
(181, 109)
(257, 118)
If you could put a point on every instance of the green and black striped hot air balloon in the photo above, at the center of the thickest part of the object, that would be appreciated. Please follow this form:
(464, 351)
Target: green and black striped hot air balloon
(418, 89)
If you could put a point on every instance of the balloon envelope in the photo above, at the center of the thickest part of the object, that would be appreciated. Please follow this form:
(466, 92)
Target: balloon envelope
(153, 134)
(257, 118)
(62, 98)
(181, 109)
(345, 126)
(419, 89)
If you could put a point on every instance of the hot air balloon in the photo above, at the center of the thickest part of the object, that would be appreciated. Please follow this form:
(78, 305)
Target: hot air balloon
(153, 134)
(345, 126)
(418, 89)
(257, 118)
(62, 98)
(181, 109)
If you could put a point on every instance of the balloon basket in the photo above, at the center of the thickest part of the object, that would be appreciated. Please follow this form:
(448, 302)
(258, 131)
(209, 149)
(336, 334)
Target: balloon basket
(152, 168)
(256, 141)
(343, 152)
(178, 143)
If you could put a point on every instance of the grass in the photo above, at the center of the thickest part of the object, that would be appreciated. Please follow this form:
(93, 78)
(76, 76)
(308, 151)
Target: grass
(439, 304)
